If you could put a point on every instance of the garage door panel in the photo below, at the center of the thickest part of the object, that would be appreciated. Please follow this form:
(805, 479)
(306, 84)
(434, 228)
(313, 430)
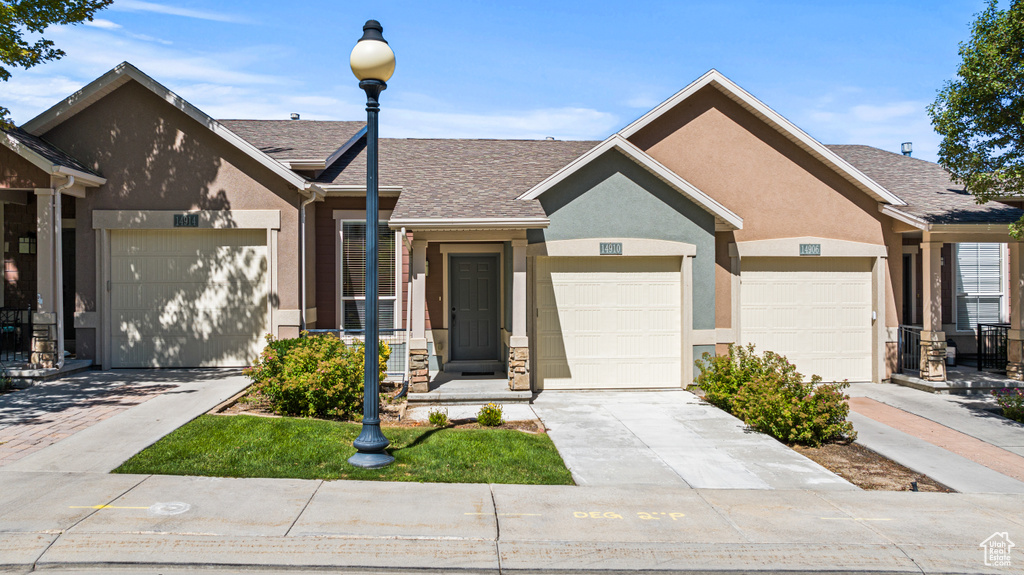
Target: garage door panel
(182, 298)
(815, 311)
(608, 322)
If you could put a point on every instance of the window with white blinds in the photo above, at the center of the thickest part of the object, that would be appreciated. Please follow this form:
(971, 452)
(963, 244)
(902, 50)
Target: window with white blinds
(353, 279)
(979, 284)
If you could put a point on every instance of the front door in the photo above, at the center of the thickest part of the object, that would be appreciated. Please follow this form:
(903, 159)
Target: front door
(474, 303)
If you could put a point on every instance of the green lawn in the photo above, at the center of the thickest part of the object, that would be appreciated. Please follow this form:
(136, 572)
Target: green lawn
(247, 446)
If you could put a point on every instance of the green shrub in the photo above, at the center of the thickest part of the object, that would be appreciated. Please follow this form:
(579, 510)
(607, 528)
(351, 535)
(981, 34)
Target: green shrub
(769, 395)
(1012, 401)
(313, 376)
(722, 376)
(438, 417)
(490, 415)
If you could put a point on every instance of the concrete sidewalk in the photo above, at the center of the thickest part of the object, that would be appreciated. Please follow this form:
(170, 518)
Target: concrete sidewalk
(112, 522)
(954, 440)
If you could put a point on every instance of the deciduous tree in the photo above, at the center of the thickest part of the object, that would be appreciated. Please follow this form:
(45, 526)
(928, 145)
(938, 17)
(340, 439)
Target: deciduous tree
(21, 18)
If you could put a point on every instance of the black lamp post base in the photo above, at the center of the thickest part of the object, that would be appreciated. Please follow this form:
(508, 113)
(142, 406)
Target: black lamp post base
(371, 460)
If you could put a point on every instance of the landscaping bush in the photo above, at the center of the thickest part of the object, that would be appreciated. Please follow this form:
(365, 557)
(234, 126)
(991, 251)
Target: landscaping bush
(490, 415)
(313, 376)
(1012, 401)
(438, 417)
(769, 395)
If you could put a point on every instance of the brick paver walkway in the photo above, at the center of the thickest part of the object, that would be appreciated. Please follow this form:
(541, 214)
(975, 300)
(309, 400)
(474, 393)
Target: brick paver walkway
(34, 418)
(990, 456)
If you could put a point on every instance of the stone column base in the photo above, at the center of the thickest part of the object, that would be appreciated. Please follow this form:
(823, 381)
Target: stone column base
(519, 368)
(933, 360)
(44, 347)
(419, 371)
(1015, 357)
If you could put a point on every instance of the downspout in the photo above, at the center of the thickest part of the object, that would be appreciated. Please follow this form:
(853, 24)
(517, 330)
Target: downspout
(58, 261)
(302, 260)
(408, 318)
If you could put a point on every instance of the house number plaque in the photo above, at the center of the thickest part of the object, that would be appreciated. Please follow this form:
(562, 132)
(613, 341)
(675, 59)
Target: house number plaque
(810, 249)
(186, 220)
(611, 248)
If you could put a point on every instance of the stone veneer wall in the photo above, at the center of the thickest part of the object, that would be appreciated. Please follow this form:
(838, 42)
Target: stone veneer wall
(519, 368)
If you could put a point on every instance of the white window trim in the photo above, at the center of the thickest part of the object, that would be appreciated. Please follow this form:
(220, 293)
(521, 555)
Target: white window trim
(342, 216)
(1004, 303)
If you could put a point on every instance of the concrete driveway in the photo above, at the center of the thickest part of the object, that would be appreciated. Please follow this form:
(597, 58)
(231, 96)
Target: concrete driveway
(670, 438)
(95, 420)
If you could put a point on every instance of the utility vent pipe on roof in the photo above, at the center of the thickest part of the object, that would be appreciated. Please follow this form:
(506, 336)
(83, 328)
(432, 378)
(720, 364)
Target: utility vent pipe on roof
(295, 116)
(907, 148)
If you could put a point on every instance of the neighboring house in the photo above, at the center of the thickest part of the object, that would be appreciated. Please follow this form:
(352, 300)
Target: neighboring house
(711, 220)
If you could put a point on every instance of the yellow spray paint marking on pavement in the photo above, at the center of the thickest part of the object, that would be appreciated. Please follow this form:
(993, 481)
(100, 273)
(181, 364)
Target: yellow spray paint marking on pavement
(103, 507)
(856, 518)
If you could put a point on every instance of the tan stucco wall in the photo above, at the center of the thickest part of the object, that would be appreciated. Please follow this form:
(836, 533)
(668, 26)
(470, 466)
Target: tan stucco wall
(157, 158)
(17, 172)
(779, 190)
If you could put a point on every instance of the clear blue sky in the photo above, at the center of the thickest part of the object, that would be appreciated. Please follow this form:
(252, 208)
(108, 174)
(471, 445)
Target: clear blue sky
(846, 72)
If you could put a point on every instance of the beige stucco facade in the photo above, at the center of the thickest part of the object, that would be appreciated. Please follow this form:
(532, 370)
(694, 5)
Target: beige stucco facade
(779, 189)
(158, 159)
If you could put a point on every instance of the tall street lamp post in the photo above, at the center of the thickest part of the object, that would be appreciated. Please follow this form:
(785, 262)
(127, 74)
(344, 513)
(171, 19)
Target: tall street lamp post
(372, 62)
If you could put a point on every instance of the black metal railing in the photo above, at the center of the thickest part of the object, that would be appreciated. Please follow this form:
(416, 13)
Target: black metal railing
(992, 340)
(15, 334)
(909, 357)
(397, 340)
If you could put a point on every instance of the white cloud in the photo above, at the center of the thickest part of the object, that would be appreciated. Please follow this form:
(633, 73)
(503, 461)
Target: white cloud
(104, 24)
(234, 85)
(852, 116)
(140, 6)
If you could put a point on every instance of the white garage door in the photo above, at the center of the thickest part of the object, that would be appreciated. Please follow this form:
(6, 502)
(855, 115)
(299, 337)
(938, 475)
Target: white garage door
(611, 322)
(187, 298)
(814, 311)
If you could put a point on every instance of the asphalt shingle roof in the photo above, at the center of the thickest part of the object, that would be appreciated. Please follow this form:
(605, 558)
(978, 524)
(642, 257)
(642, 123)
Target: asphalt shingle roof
(445, 178)
(925, 186)
(295, 139)
(52, 153)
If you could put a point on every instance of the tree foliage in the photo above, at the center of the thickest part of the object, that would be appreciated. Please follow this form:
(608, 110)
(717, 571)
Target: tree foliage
(19, 18)
(980, 114)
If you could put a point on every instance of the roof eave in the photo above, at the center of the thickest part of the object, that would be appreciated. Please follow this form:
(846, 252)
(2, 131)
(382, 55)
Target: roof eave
(49, 167)
(469, 223)
(904, 217)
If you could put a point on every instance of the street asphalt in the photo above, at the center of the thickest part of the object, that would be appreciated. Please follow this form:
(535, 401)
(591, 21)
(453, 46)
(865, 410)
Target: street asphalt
(64, 515)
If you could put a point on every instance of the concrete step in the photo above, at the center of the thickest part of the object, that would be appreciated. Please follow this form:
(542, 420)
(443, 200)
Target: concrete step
(982, 383)
(443, 398)
(23, 377)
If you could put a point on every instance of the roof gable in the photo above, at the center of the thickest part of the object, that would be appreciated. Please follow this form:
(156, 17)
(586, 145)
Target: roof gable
(717, 80)
(125, 72)
(724, 217)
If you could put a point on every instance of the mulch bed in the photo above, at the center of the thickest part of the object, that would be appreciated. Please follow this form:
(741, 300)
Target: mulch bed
(391, 414)
(867, 469)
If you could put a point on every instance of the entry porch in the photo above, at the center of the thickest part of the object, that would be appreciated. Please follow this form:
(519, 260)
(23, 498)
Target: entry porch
(963, 284)
(468, 312)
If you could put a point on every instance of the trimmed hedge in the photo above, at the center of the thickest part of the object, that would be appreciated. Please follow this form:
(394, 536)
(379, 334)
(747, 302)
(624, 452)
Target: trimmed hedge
(769, 395)
(313, 376)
